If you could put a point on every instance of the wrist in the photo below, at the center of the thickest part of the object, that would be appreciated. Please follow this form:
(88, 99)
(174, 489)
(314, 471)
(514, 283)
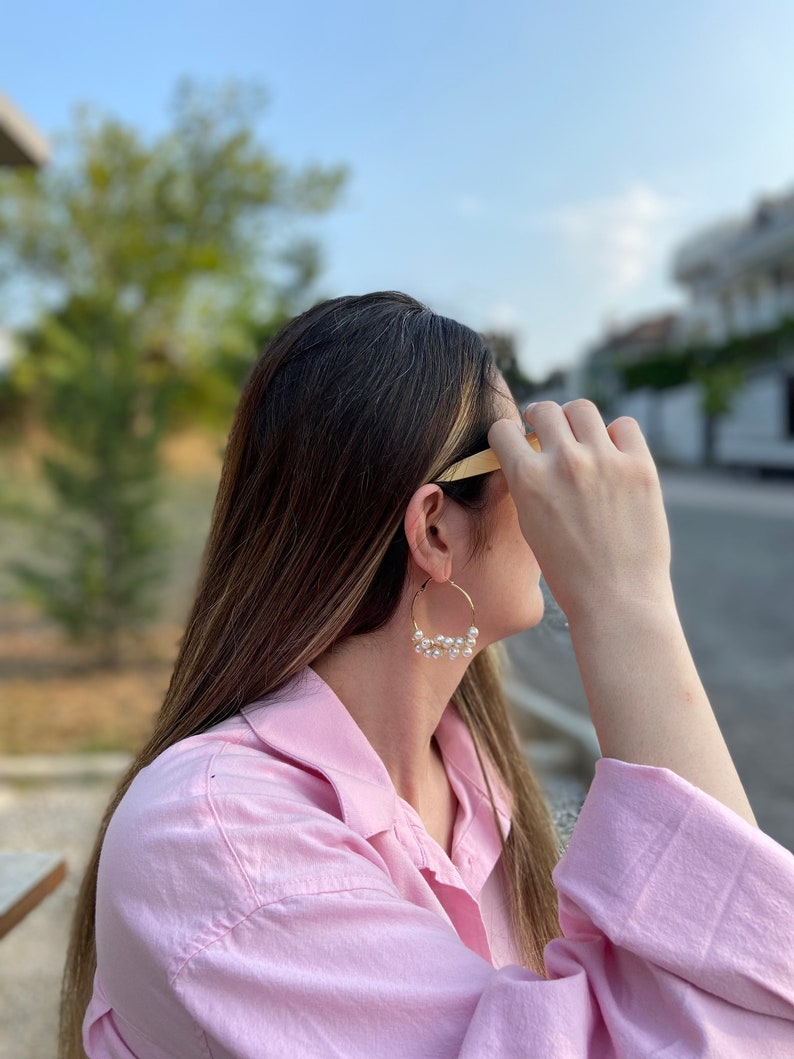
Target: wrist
(624, 612)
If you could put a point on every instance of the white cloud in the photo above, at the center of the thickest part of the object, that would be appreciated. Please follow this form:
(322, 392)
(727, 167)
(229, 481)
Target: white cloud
(622, 239)
(504, 316)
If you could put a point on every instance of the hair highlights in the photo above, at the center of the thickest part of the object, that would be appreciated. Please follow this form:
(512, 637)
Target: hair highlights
(352, 407)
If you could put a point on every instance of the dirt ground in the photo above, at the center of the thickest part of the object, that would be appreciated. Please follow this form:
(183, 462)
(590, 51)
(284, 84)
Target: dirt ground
(54, 701)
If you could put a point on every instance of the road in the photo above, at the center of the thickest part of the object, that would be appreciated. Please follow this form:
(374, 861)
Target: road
(733, 575)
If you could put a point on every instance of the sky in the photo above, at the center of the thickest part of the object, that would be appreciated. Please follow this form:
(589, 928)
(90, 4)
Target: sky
(518, 165)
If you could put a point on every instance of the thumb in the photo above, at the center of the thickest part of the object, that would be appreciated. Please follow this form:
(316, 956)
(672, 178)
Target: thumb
(509, 442)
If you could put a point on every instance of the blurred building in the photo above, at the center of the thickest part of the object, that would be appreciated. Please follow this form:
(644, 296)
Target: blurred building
(559, 385)
(641, 340)
(738, 276)
(21, 144)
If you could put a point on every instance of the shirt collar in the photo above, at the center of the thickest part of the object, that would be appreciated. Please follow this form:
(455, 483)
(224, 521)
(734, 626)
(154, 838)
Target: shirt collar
(458, 750)
(476, 845)
(306, 722)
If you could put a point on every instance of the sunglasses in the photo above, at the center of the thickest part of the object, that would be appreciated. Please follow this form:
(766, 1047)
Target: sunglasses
(480, 463)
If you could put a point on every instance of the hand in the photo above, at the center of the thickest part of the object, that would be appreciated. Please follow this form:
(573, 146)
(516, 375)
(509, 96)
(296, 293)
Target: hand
(590, 507)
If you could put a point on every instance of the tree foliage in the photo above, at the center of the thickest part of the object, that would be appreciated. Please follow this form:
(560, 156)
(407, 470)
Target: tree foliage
(716, 367)
(101, 553)
(503, 347)
(194, 232)
(161, 264)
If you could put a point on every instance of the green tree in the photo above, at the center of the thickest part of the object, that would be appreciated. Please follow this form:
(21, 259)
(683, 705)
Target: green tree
(503, 347)
(101, 547)
(720, 384)
(164, 261)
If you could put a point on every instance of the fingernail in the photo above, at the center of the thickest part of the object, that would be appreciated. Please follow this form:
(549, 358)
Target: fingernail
(529, 408)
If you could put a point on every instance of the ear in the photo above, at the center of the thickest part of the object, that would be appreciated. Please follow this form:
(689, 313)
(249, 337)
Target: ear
(425, 534)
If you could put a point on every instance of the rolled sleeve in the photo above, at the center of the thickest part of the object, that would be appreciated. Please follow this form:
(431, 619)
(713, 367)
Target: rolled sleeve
(674, 877)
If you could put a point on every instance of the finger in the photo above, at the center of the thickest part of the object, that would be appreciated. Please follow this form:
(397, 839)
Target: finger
(586, 423)
(548, 421)
(509, 442)
(626, 435)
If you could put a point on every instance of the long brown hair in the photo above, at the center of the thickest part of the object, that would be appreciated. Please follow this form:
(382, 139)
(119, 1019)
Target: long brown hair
(352, 407)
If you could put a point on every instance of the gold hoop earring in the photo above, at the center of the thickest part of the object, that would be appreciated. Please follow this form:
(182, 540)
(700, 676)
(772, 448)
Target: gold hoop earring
(448, 646)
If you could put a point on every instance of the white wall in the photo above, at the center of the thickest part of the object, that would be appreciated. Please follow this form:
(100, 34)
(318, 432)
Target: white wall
(681, 424)
(643, 405)
(670, 420)
(755, 433)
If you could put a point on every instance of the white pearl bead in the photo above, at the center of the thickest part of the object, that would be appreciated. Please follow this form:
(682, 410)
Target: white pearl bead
(471, 641)
(474, 631)
(448, 641)
(418, 648)
(426, 643)
(436, 652)
(440, 638)
(459, 641)
(453, 652)
(418, 634)
(466, 652)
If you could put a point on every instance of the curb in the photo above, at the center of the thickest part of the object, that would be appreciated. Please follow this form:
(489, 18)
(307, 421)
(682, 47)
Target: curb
(59, 767)
(564, 721)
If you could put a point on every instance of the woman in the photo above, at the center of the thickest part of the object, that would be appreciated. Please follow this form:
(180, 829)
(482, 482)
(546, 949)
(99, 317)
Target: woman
(331, 845)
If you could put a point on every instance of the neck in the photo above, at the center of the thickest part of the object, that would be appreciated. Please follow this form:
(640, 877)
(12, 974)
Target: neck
(397, 698)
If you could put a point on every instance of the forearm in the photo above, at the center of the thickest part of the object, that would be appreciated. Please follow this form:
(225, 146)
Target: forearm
(648, 704)
(591, 509)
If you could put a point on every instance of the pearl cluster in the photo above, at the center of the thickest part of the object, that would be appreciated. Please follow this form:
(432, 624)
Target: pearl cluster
(449, 646)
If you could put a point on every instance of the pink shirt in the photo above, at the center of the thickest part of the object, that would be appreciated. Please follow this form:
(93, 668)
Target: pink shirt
(263, 891)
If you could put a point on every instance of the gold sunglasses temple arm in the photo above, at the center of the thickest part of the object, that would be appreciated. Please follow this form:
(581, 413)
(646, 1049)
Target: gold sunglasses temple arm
(480, 463)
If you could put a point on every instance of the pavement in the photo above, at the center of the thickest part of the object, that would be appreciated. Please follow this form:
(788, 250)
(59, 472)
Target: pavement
(60, 814)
